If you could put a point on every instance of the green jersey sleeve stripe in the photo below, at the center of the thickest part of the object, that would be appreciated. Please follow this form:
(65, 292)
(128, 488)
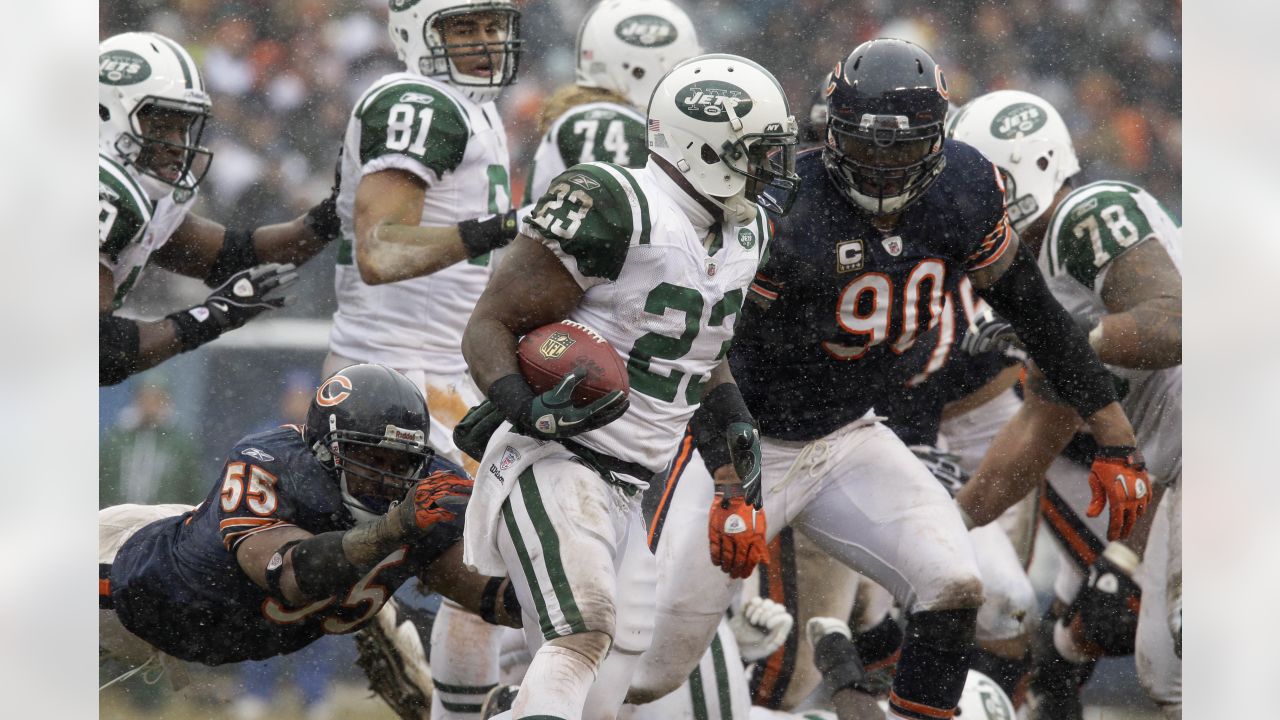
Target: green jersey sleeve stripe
(640, 222)
(187, 72)
(127, 184)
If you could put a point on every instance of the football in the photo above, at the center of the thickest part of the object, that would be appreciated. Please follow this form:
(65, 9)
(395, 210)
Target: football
(552, 351)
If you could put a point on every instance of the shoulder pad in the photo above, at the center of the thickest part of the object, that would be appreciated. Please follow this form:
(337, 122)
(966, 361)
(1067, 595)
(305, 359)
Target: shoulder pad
(413, 118)
(601, 132)
(1092, 226)
(595, 211)
(123, 208)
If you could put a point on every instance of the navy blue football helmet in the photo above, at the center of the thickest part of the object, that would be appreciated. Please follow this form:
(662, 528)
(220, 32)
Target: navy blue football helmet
(369, 425)
(886, 108)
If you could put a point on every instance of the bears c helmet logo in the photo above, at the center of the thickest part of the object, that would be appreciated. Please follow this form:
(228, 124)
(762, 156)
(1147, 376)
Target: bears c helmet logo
(333, 391)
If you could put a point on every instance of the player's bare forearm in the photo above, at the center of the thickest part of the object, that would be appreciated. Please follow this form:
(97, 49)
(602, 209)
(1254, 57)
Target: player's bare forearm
(1143, 295)
(449, 577)
(1111, 428)
(287, 242)
(528, 290)
(1148, 337)
(1018, 458)
(391, 244)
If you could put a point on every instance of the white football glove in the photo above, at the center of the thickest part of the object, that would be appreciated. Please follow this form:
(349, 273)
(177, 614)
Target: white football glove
(760, 628)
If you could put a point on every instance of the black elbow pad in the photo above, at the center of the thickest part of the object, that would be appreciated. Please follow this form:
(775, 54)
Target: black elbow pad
(118, 347)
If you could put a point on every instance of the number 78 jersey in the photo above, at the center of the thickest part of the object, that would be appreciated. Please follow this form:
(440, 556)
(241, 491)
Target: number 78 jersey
(664, 283)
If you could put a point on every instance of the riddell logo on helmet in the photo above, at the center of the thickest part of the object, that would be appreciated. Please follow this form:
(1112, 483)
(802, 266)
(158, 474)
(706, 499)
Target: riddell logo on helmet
(122, 67)
(1024, 118)
(399, 5)
(707, 100)
(646, 31)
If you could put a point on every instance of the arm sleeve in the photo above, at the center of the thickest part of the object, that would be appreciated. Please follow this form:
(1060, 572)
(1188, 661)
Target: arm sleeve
(1052, 338)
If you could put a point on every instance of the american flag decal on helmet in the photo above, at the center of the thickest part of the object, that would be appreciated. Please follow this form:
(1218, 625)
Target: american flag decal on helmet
(654, 125)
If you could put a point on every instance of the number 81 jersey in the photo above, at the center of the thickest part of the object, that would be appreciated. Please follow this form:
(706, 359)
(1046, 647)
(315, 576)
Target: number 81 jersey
(458, 149)
(663, 282)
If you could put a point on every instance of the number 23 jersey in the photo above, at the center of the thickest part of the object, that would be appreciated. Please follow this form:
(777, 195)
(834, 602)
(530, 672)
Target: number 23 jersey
(663, 283)
(855, 312)
(176, 583)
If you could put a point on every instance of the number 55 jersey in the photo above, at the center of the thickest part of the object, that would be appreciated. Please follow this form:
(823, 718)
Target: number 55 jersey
(176, 582)
(458, 149)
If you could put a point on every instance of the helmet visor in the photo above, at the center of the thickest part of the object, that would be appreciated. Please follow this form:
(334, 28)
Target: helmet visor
(480, 43)
(379, 471)
(768, 160)
(169, 134)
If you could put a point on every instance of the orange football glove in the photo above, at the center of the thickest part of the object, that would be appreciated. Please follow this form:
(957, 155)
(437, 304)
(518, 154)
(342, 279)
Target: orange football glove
(736, 530)
(1119, 479)
(439, 497)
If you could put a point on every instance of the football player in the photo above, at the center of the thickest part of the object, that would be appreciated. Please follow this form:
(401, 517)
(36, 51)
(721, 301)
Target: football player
(657, 260)
(623, 49)
(307, 532)
(853, 282)
(152, 109)
(1112, 255)
(425, 199)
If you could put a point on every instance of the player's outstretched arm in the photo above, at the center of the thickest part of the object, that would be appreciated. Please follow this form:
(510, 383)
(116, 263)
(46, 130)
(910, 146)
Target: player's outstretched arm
(1019, 455)
(492, 598)
(298, 567)
(391, 245)
(127, 346)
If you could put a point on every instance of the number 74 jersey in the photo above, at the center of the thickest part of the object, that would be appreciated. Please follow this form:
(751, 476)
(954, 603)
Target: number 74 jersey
(664, 283)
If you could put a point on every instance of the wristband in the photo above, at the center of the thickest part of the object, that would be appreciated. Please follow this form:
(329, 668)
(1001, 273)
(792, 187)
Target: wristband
(482, 236)
(275, 568)
(323, 221)
(194, 327)
(721, 407)
(512, 396)
(729, 491)
(489, 600)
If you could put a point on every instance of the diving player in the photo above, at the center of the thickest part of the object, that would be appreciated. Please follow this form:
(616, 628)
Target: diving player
(308, 532)
(152, 109)
(1112, 255)
(855, 280)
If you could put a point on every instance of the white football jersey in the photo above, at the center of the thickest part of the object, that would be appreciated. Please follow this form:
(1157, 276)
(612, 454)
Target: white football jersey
(130, 225)
(459, 149)
(663, 284)
(1091, 227)
(597, 131)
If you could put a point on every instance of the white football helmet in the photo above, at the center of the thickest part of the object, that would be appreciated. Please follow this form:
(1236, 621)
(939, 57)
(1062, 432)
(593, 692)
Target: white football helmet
(415, 33)
(1026, 138)
(718, 119)
(142, 75)
(983, 699)
(626, 47)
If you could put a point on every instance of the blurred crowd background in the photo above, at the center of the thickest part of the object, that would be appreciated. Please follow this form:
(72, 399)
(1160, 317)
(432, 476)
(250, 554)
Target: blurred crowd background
(284, 75)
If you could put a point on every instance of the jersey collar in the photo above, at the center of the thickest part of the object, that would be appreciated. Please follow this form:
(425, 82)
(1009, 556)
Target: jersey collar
(701, 212)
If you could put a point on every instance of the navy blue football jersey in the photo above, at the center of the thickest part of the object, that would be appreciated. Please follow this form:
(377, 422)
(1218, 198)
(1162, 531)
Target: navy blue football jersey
(855, 313)
(176, 583)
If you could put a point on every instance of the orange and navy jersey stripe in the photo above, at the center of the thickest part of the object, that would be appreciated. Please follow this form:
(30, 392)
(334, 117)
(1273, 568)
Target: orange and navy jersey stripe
(1081, 544)
(902, 708)
(104, 586)
(678, 465)
(236, 529)
(766, 287)
(771, 677)
(993, 246)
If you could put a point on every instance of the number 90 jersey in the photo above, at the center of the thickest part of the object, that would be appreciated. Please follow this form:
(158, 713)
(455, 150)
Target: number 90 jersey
(176, 582)
(854, 312)
(664, 283)
(458, 148)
